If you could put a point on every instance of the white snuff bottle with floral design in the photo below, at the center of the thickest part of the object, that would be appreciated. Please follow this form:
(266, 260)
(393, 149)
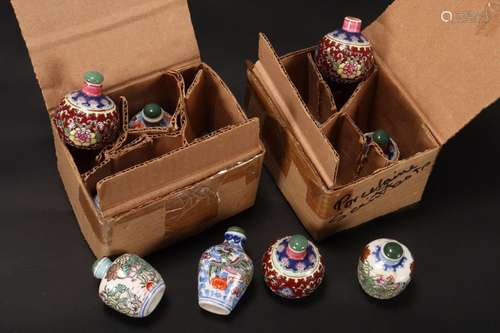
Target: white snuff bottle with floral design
(224, 273)
(385, 268)
(129, 285)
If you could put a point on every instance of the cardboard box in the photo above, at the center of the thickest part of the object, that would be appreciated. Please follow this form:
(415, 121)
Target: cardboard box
(432, 78)
(155, 187)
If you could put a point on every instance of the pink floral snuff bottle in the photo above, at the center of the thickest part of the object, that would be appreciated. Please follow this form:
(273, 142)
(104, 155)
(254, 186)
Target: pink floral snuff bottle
(129, 285)
(385, 268)
(86, 118)
(345, 55)
(224, 273)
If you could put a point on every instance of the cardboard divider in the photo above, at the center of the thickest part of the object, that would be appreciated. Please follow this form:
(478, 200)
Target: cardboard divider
(165, 88)
(154, 187)
(311, 86)
(286, 96)
(379, 104)
(348, 143)
(140, 150)
(209, 105)
(372, 160)
(159, 176)
(376, 102)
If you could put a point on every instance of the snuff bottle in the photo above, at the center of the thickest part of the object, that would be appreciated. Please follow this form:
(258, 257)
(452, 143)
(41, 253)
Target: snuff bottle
(86, 118)
(224, 273)
(385, 268)
(293, 267)
(345, 55)
(385, 142)
(151, 115)
(129, 284)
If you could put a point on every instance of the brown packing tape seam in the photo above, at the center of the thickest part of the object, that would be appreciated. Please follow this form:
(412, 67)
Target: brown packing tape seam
(183, 209)
(154, 160)
(249, 169)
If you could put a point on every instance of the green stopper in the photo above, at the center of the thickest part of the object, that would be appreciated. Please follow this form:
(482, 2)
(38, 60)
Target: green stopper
(236, 229)
(93, 77)
(381, 137)
(152, 111)
(393, 250)
(298, 243)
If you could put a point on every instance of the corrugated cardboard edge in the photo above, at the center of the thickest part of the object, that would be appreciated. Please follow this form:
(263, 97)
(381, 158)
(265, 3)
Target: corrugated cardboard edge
(324, 211)
(275, 78)
(450, 69)
(126, 36)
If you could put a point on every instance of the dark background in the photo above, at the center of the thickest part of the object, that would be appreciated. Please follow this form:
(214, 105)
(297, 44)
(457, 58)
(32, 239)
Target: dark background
(45, 278)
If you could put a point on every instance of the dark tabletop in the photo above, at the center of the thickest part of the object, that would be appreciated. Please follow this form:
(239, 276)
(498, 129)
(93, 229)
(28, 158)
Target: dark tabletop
(454, 233)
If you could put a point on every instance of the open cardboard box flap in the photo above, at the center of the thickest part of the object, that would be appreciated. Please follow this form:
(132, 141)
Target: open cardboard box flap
(126, 40)
(450, 69)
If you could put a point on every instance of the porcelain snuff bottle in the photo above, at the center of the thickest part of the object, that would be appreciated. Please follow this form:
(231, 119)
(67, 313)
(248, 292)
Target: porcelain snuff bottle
(151, 115)
(86, 118)
(293, 267)
(129, 284)
(385, 142)
(345, 55)
(224, 273)
(385, 268)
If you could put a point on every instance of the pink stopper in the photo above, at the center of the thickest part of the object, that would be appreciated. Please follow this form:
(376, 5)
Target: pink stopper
(294, 254)
(351, 24)
(92, 89)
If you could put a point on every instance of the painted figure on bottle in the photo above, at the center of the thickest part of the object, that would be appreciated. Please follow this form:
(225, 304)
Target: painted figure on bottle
(129, 285)
(224, 273)
(87, 119)
(385, 268)
(151, 115)
(293, 267)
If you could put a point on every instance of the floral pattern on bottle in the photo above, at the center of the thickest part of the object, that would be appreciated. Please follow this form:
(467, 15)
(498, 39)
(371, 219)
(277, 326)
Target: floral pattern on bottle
(345, 55)
(131, 286)
(383, 277)
(86, 118)
(291, 277)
